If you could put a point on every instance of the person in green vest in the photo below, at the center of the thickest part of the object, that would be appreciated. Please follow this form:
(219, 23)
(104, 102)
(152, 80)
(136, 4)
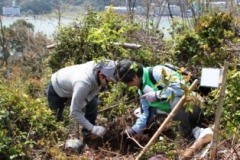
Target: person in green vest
(153, 97)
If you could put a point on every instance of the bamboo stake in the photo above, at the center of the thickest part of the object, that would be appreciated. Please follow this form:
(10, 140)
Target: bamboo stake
(219, 111)
(166, 121)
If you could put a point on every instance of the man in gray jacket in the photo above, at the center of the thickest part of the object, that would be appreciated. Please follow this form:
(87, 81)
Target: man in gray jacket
(82, 84)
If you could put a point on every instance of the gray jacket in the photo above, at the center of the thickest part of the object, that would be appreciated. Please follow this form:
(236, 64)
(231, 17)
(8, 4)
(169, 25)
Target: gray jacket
(79, 83)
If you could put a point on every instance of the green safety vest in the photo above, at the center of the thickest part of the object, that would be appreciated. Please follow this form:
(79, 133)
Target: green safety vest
(146, 81)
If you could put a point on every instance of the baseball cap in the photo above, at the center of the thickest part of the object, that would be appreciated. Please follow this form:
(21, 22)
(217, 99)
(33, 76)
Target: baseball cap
(108, 68)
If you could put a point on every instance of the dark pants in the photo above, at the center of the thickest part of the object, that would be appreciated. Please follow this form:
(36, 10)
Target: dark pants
(57, 103)
(187, 120)
(91, 113)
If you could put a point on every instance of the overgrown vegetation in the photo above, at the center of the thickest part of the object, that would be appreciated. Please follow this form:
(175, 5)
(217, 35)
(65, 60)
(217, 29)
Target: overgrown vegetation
(29, 131)
(207, 43)
(26, 124)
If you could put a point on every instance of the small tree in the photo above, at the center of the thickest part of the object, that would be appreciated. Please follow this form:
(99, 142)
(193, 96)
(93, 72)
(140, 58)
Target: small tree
(60, 6)
(4, 44)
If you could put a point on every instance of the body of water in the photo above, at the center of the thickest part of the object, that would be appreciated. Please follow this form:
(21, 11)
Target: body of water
(49, 26)
(164, 25)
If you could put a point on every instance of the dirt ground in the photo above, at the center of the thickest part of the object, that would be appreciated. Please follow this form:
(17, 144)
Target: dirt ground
(114, 145)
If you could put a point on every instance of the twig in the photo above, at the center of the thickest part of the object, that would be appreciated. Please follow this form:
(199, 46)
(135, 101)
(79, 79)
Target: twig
(132, 138)
(232, 152)
(30, 130)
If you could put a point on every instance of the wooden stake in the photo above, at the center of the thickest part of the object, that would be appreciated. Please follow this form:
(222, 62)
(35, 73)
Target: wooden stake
(166, 121)
(219, 111)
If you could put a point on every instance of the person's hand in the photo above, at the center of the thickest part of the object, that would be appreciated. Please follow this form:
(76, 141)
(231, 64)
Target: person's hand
(129, 132)
(98, 130)
(150, 96)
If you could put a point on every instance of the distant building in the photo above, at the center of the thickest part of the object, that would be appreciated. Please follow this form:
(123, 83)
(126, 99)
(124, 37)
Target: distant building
(11, 11)
(121, 9)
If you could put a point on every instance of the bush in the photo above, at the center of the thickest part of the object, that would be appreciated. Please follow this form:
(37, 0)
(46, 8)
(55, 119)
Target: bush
(206, 44)
(25, 124)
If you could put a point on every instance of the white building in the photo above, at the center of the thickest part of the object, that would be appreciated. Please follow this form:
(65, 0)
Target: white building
(11, 11)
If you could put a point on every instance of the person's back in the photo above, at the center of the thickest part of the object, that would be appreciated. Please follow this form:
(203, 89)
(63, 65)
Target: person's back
(63, 81)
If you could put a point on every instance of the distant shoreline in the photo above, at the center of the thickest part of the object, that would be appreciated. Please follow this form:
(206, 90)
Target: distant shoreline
(45, 25)
(42, 17)
(33, 17)
(49, 24)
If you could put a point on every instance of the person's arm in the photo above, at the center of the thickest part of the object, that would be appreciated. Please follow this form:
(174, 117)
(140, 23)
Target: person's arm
(81, 91)
(142, 121)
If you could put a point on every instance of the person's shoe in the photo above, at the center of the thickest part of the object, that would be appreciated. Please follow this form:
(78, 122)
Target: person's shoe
(74, 145)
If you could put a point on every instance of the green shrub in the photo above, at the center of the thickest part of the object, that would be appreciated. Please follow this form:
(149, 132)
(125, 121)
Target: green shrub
(33, 87)
(25, 124)
(230, 120)
(205, 45)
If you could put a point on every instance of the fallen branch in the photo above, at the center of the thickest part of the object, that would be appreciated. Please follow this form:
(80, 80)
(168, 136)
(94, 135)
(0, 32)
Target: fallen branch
(51, 46)
(125, 45)
(128, 45)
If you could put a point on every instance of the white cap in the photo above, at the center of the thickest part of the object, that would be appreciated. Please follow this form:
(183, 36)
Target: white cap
(107, 67)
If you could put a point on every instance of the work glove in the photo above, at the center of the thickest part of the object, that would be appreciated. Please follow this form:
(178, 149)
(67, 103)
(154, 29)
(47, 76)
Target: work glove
(150, 96)
(201, 132)
(205, 132)
(137, 112)
(196, 132)
(129, 132)
(98, 130)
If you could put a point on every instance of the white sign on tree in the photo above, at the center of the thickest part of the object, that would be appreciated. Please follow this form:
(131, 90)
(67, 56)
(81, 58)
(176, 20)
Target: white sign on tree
(211, 77)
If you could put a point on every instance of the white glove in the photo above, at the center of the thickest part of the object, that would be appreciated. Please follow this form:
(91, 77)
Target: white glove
(137, 112)
(150, 96)
(196, 132)
(201, 132)
(205, 132)
(98, 130)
